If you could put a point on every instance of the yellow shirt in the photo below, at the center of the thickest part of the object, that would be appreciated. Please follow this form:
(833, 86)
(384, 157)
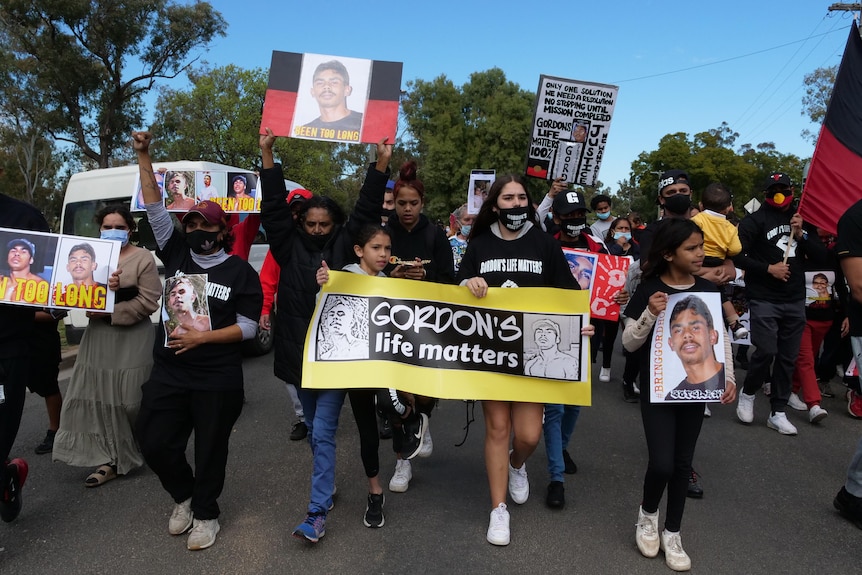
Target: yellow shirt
(720, 237)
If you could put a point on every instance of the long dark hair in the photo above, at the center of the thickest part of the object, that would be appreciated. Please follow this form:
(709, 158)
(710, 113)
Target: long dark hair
(609, 236)
(488, 216)
(669, 235)
(367, 233)
(121, 211)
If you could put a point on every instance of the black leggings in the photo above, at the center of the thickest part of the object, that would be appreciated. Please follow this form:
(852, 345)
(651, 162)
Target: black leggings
(671, 431)
(365, 414)
(606, 332)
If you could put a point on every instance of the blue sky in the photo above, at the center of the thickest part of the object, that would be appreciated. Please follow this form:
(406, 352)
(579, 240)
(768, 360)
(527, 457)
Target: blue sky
(680, 65)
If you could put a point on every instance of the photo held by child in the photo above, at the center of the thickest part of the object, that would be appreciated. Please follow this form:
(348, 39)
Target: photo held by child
(671, 429)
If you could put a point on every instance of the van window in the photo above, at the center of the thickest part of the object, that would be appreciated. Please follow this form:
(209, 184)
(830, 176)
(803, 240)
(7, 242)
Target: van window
(80, 220)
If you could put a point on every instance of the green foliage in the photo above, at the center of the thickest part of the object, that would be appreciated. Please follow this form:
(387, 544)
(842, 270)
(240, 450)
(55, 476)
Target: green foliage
(708, 157)
(483, 124)
(818, 90)
(64, 64)
(31, 166)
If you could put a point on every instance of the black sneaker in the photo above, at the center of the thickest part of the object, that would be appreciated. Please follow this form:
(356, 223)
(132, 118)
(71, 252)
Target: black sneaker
(385, 428)
(849, 506)
(570, 467)
(10, 498)
(374, 510)
(629, 394)
(412, 433)
(556, 495)
(695, 491)
(299, 431)
(47, 445)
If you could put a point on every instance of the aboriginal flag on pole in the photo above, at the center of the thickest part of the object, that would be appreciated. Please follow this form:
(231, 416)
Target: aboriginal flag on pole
(370, 93)
(834, 182)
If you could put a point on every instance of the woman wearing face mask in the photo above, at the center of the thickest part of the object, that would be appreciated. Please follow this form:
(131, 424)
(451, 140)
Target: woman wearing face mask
(115, 357)
(619, 240)
(196, 384)
(321, 233)
(505, 228)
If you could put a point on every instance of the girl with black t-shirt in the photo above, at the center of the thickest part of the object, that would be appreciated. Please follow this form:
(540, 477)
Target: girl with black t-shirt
(505, 229)
(671, 429)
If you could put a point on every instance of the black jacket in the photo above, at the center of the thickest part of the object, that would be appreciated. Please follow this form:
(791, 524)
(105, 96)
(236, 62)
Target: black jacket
(426, 242)
(299, 260)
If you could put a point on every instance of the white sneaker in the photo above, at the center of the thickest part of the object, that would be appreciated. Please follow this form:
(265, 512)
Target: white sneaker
(706, 411)
(203, 534)
(745, 408)
(519, 485)
(779, 423)
(181, 517)
(817, 414)
(401, 479)
(636, 388)
(796, 403)
(605, 374)
(427, 445)
(646, 533)
(498, 527)
(674, 555)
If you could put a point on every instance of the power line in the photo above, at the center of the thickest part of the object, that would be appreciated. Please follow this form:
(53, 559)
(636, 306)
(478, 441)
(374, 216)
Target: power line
(725, 60)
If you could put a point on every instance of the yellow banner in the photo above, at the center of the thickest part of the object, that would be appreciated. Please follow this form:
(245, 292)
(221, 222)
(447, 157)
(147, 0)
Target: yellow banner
(522, 344)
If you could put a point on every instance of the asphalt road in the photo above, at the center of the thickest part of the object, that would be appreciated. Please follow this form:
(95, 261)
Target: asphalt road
(767, 509)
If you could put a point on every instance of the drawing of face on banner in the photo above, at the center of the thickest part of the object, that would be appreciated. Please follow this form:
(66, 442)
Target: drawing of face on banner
(687, 350)
(552, 347)
(333, 92)
(343, 329)
(818, 289)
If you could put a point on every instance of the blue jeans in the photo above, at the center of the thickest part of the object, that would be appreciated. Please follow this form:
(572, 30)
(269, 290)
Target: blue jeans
(559, 424)
(322, 408)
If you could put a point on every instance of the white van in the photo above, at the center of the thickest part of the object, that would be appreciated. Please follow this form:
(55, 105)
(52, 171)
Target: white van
(88, 192)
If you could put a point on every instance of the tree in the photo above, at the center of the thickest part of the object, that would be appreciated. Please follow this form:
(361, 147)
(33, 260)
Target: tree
(709, 157)
(818, 90)
(64, 63)
(451, 130)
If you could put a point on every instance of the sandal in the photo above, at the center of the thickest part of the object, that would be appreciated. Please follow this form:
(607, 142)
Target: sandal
(102, 474)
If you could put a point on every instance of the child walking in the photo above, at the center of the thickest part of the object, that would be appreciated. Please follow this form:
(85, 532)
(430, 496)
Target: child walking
(671, 429)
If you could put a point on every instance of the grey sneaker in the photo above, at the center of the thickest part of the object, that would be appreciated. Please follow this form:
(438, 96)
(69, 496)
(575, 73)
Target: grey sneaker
(203, 534)
(181, 517)
(674, 555)
(646, 533)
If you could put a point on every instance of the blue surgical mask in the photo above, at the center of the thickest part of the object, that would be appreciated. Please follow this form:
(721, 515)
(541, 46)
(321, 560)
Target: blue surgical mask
(465, 229)
(603, 216)
(121, 236)
(626, 235)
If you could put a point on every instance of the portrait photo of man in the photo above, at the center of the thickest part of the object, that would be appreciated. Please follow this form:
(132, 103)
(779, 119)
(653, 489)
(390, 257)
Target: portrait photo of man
(20, 257)
(186, 306)
(180, 190)
(343, 329)
(241, 188)
(337, 91)
(549, 358)
(693, 338)
(82, 265)
(207, 189)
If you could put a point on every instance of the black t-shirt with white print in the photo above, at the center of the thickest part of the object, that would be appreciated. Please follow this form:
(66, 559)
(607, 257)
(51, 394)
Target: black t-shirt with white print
(531, 260)
(233, 287)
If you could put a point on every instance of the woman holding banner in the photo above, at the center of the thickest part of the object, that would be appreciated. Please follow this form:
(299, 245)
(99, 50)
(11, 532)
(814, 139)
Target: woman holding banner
(506, 228)
(671, 429)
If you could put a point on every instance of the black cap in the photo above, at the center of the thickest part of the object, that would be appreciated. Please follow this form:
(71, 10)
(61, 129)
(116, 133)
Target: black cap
(671, 177)
(777, 179)
(568, 201)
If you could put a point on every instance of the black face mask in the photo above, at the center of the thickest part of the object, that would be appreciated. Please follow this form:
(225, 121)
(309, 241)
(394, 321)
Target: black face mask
(319, 242)
(678, 204)
(513, 218)
(574, 226)
(202, 241)
(388, 213)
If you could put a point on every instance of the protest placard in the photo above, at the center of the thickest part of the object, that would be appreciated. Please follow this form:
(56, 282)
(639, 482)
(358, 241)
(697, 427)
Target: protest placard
(235, 191)
(687, 350)
(332, 98)
(570, 129)
(55, 270)
(438, 340)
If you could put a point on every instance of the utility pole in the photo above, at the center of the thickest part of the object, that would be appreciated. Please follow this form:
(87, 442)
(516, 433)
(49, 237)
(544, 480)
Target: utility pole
(841, 7)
